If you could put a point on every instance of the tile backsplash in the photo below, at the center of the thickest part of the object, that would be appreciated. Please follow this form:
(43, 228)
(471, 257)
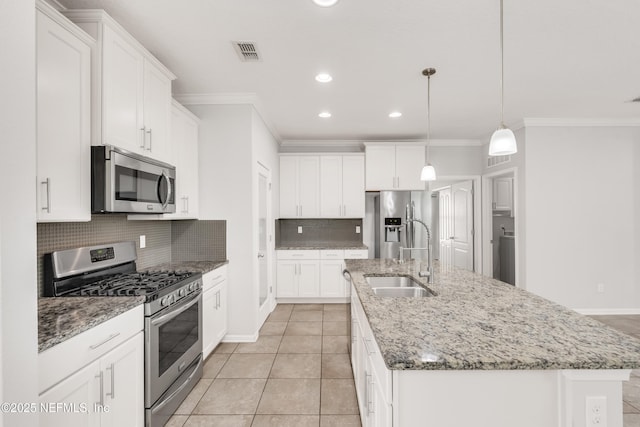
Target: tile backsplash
(195, 240)
(317, 231)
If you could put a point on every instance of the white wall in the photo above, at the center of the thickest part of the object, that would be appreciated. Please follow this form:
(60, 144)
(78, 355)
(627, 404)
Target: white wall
(18, 290)
(232, 139)
(582, 216)
(456, 160)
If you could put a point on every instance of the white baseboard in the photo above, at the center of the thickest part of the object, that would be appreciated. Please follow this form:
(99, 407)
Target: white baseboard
(607, 311)
(343, 300)
(240, 338)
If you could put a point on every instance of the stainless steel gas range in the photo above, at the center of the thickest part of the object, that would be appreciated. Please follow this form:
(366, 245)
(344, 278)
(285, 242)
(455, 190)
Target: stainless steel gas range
(173, 315)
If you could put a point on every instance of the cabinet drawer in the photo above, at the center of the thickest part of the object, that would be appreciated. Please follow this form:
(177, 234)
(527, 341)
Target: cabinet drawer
(298, 254)
(356, 254)
(214, 278)
(332, 254)
(62, 360)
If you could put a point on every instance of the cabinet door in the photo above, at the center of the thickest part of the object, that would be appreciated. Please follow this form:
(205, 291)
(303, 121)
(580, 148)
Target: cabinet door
(220, 313)
(409, 164)
(157, 113)
(380, 415)
(184, 154)
(288, 187)
(380, 168)
(331, 197)
(309, 186)
(332, 283)
(122, 93)
(502, 194)
(79, 390)
(287, 279)
(123, 376)
(63, 124)
(208, 319)
(353, 186)
(308, 278)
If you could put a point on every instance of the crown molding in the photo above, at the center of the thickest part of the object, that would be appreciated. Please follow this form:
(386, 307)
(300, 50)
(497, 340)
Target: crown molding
(580, 122)
(432, 143)
(248, 98)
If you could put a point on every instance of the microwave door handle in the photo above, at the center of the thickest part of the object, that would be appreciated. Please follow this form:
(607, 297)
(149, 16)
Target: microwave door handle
(168, 193)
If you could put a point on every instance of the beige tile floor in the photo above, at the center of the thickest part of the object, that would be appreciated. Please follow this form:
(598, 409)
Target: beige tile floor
(297, 374)
(629, 324)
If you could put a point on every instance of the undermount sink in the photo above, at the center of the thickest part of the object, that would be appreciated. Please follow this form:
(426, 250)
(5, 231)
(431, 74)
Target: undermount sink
(391, 282)
(409, 291)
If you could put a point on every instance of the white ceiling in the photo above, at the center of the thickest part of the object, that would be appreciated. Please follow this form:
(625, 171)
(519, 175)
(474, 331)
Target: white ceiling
(563, 59)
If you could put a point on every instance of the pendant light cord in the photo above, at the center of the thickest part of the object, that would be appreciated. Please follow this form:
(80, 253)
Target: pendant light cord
(428, 116)
(501, 65)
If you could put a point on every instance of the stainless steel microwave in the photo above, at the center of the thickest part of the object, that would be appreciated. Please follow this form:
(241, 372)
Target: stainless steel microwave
(126, 182)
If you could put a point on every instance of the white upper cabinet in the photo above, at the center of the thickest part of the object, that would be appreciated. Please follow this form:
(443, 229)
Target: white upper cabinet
(299, 186)
(503, 194)
(394, 167)
(322, 186)
(342, 186)
(63, 91)
(131, 89)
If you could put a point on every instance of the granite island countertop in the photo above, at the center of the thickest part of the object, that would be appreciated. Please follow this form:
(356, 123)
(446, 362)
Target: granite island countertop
(61, 318)
(475, 322)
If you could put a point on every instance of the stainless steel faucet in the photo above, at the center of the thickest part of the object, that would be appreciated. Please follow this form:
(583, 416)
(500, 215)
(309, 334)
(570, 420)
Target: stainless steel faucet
(422, 273)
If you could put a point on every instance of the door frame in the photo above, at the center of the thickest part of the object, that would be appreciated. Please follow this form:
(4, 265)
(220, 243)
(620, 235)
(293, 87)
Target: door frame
(477, 214)
(262, 169)
(487, 223)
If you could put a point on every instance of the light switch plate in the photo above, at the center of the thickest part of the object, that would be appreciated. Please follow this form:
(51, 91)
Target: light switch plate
(357, 229)
(143, 241)
(299, 229)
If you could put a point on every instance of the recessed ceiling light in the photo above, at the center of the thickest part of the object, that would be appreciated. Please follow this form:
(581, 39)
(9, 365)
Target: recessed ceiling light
(395, 114)
(325, 115)
(324, 78)
(325, 3)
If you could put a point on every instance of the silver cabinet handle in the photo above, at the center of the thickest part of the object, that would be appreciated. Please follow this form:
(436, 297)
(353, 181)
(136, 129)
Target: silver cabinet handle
(113, 381)
(218, 300)
(366, 344)
(150, 140)
(260, 255)
(187, 204)
(144, 139)
(101, 376)
(300, 210)
(47, 182)
(109, 338)
(354, 322)
(369, 381)
(185, 208)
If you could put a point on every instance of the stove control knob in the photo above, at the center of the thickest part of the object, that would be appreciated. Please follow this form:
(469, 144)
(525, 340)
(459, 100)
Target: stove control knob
(180, 292)
(164, 302)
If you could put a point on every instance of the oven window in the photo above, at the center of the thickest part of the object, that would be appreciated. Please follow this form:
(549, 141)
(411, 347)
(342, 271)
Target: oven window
(176, 337)
(136, 186)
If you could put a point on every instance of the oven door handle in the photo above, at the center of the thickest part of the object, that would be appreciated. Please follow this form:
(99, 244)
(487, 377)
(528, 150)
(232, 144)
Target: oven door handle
(176, 312)
(169, 398)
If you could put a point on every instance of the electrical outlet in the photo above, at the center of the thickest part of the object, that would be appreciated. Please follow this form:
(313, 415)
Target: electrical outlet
(357, 229)
(143, 241)
(299, 229)
(596, 411)
(600, 288)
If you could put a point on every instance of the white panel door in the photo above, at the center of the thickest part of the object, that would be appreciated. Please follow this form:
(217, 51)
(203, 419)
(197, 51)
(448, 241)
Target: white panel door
(287, 279)
(446, 226)
(331, 179)
(63, 124)
(462, 203)
(409, 163)
(80, 388)
(353, 193)
(263, 256)
(309, 186)
(332, 283)
(380, 167)
(157, 113)
(123, 371)
(122, 94)
(288, 187)
(308, 278)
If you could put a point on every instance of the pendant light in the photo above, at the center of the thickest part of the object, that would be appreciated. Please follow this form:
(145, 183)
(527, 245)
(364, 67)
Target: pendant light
(428, 171)
(503, 141)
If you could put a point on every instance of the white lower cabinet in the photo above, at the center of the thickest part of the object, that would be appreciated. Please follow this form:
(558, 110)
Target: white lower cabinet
(372, 378)
(97, 377)
(314, 273)
(214, 315)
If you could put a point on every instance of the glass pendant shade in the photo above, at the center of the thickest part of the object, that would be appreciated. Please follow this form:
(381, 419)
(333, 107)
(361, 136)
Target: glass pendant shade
(503, 142)
(428, 173)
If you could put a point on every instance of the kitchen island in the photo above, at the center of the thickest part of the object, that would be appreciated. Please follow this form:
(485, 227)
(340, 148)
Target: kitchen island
(481, 352)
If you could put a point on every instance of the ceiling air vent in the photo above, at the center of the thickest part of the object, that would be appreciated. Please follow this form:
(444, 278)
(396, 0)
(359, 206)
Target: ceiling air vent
(247, 51)
(497, 160)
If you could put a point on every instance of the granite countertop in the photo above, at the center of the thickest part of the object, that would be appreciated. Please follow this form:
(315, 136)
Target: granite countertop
(320, 246)
(195, 266)
(61, 318)
(475, 322)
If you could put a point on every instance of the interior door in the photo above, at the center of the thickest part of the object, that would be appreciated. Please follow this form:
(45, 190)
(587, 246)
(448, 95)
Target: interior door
(462, 231)
(265, 295)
